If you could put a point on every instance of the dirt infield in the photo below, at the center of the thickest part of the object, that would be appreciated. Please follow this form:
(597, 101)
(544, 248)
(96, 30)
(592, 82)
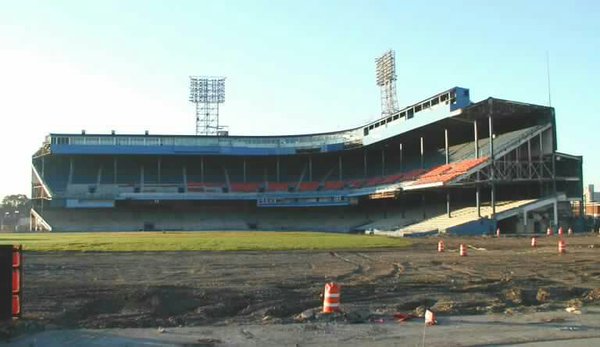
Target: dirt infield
(169, 289)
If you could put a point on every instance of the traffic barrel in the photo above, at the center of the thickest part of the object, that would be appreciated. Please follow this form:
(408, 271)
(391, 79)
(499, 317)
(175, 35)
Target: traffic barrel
(498, 232)
(463, 250)
(549, 232)
(430, 318)
(441, 246)
(331, 298)
(16, 305)
(533, 242)
(560, 231)
(562, 247)
(570, 231)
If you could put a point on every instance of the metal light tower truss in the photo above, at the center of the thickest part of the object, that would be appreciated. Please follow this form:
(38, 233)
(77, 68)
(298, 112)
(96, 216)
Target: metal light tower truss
(207, 93)
(386, 80)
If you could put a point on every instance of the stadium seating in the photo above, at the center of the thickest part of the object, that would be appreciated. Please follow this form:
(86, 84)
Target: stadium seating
(277, 187)
(309, 186)
(354, 184)
(244, 187)
(446, 173)
(333, 185)
(442, 222)
(205, 187)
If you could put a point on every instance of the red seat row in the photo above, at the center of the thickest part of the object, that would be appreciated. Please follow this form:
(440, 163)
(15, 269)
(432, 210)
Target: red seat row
(244, 187)
(442, 174)
(448, 172)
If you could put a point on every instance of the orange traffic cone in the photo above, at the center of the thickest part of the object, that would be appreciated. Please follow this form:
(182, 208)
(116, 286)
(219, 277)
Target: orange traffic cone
(562, 247)
(463, 250)
(498, 232)
(533, 242)
(570, 231)
(331, 299)
(560, 231)
(441, 246)
(549, 232)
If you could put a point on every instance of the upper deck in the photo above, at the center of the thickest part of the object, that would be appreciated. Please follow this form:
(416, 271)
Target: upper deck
(442, 105)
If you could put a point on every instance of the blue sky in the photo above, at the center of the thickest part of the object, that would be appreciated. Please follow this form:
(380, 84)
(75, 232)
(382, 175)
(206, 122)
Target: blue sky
(291, 66)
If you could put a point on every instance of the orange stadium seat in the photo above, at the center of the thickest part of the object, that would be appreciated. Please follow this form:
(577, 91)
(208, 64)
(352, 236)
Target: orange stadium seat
(334, 185)
(309, 186)
(448, 172)
(277, 187)
(244, 187)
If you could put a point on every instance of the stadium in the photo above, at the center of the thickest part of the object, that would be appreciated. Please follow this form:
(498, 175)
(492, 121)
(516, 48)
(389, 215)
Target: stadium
(444, 164)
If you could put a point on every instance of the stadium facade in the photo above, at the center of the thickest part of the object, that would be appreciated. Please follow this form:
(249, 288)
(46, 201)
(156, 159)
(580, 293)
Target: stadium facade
(444, 164)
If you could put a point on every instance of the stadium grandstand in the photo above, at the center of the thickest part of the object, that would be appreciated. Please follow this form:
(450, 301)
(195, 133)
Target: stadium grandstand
(444, 164)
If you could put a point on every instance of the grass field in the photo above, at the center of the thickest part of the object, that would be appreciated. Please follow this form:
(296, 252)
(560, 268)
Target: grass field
(196, 241)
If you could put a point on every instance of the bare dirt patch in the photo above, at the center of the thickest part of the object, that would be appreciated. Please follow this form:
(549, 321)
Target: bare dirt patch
(168, 289)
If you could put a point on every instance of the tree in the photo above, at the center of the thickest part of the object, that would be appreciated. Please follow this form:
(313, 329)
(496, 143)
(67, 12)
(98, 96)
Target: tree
(16, 201)
(12, 209)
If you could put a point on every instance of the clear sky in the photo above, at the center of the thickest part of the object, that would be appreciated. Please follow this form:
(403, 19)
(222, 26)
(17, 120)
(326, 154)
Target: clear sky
(291, 66)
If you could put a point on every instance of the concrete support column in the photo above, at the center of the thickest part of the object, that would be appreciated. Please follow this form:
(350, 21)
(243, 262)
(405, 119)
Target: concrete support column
(423, 205)
(277, 171)
(158, 162)
(202, 169)
(448, 205)
(401, 150)
(115, 170)
(141, 178)
(422, 150)
(184, 177)
(492, 165)
(341, 176)
(478, 199)
(476, 138)
(71, 170)
(99, 175)
(491, 133)
(310, 176)
(493, 199)
(446, 146)
(555, 212)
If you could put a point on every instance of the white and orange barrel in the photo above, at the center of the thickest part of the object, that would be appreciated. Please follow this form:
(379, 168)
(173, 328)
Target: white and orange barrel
(441, 246)
(331, 298)
(498, 232)
(560, 231)
(430, 318)
(562, 247)
(533, 242)
(570, 231)
(463, 250)
(549, 232)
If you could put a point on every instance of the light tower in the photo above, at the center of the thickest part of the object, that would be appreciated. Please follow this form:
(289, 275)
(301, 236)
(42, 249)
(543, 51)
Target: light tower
(386, 80)
(207, 93)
